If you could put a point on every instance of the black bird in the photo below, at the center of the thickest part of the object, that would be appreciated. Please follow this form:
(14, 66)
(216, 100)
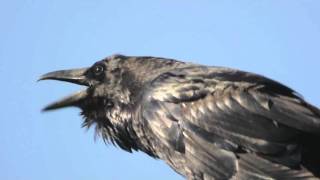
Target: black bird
(205, 122)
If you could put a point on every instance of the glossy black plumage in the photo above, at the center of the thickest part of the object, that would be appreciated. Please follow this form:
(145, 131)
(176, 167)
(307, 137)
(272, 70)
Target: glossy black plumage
(205, 122)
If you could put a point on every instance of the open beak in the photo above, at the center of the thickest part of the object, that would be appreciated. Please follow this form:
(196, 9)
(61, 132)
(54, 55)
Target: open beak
(76, 76)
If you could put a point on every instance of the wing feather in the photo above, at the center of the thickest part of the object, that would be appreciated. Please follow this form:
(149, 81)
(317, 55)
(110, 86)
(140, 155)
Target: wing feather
(213, 115)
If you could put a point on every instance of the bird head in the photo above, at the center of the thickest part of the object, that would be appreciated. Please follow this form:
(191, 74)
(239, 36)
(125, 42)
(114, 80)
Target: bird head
(113, 87)
(94, 78)
(104, 100)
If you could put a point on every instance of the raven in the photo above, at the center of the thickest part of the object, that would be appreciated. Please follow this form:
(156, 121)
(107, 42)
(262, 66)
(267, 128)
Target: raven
(205, 122)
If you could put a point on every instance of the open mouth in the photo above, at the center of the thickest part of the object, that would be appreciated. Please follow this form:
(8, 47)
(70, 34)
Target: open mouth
(76, 76)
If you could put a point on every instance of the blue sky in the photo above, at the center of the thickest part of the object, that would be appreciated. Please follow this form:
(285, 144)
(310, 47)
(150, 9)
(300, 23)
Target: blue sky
(279, 39)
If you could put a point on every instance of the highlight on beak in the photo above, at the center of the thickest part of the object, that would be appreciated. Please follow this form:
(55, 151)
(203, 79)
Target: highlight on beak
(76, 76)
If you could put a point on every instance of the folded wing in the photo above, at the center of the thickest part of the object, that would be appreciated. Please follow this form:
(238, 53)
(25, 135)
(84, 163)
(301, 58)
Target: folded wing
(227, 123)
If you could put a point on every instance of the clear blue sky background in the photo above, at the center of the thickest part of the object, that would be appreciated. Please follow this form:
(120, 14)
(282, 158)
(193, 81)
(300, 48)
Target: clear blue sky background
(279, 39)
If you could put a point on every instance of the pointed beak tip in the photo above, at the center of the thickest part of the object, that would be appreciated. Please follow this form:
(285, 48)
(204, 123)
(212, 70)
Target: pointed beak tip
(49, 107)
(45, 109)
(40, 79)
(51, 75)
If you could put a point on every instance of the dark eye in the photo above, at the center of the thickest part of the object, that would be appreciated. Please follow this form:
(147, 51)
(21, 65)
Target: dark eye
(97, 70)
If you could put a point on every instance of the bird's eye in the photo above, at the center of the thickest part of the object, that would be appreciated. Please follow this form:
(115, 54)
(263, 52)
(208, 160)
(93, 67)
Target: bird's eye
(98, 70)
